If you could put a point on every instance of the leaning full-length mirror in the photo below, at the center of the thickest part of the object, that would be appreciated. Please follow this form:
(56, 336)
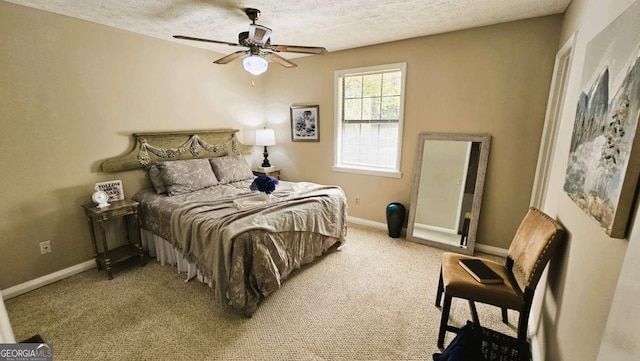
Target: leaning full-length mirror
(447, 190)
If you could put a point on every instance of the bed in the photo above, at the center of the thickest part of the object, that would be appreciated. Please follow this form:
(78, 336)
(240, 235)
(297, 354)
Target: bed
(197, 215)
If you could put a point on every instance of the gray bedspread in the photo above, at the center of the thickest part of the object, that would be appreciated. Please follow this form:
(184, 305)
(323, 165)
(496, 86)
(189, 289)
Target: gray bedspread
(248, 253)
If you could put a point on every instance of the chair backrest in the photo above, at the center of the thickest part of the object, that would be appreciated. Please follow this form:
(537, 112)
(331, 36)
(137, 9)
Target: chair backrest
(534, 243)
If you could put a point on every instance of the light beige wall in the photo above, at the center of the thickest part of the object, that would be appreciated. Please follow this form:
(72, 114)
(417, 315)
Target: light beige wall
(582, 279)
(71, 93)
(492, 80)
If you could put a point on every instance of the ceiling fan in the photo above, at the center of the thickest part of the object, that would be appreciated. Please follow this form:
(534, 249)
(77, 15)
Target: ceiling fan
(261, 51)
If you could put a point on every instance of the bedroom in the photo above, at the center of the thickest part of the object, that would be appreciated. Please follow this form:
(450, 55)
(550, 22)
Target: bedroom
(75, 82)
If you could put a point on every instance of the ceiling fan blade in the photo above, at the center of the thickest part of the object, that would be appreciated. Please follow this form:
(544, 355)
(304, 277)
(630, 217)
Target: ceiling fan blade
(205, 40)
(230, 57)
(317, 50)
(278, 59)
(259, 34)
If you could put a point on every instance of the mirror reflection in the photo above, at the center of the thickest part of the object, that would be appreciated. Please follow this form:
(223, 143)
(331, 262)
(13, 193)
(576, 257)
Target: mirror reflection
(447, 190)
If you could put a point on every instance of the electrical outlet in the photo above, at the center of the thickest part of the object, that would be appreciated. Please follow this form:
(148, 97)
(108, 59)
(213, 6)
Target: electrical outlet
(45, 247)
(357, 201)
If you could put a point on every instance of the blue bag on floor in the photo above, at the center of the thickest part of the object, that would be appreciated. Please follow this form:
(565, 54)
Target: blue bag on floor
(460, 349)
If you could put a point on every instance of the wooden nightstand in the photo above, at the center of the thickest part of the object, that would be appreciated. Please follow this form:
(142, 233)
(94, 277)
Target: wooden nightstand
(275, 173)
(126, 209)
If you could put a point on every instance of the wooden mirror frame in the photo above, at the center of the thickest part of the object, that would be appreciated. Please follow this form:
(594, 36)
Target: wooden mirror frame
(485, 144)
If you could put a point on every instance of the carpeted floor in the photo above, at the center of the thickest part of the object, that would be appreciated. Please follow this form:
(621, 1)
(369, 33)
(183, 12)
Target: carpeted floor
(371, 300)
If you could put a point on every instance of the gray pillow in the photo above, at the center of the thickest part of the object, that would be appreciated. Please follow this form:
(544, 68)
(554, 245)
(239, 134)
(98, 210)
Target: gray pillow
(231, 168)
(156, 179)
(184, 176)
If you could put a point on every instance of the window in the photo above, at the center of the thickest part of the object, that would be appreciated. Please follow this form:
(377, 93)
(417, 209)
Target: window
(369, 108)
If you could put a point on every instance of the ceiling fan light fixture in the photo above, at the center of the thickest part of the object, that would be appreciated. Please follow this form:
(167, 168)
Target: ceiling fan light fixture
(255, 64)
(258, 38)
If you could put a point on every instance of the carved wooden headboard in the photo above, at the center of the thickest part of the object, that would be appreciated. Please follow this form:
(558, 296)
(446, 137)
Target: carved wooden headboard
(150, 148)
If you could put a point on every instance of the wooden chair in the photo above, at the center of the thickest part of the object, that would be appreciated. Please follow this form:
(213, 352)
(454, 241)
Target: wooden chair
(533, 245)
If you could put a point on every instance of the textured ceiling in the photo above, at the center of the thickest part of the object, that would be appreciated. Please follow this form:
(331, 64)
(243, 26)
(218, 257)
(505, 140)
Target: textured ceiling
(333, 24)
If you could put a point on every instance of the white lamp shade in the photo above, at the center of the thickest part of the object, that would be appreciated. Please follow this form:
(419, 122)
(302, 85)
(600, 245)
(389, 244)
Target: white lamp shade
(255, 64)
(265, 137)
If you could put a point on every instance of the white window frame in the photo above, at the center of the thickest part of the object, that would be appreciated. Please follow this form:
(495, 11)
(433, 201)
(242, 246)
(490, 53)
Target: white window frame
(337, 91)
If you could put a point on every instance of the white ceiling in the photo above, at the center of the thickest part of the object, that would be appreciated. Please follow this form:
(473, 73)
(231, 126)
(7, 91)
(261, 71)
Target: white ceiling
(333, 24)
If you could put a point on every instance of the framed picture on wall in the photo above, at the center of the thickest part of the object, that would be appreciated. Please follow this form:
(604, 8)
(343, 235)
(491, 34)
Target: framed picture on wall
(305, 123)
(604, 157)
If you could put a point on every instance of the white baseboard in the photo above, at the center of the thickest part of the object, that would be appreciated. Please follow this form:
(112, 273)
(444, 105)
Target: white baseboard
(87, 265)
(366, 222)
(496, 251)
(46, 279)
(373, 224)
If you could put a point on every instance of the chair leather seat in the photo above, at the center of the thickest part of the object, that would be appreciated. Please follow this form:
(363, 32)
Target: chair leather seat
(459, 283)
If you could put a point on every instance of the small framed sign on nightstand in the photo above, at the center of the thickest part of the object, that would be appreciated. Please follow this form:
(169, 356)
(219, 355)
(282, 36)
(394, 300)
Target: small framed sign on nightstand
(112, 188)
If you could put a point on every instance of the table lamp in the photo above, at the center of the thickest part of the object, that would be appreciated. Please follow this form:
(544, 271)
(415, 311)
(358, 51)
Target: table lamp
(265, 137)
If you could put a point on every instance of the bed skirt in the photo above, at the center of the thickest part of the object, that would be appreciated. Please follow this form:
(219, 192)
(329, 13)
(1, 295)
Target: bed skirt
(165, 253)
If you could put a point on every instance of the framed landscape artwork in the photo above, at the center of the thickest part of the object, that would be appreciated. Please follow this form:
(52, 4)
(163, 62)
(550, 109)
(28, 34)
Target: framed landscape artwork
(305, 126)
(604, 157)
